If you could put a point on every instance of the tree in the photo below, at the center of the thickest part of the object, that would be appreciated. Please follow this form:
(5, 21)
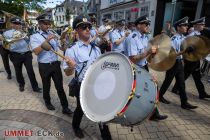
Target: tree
(28, 4)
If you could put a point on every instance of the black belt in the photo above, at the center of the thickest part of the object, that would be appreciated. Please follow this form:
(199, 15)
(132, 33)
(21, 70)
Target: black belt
(21, 53)
(51, 63)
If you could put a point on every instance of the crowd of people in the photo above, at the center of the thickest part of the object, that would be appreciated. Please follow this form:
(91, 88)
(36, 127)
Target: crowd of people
(82, 44)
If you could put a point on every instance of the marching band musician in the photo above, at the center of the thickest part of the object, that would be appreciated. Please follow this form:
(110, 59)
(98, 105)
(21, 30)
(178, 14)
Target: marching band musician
(194, 67)
(5, 57)
(80, 56)
(49, 66)
(20, 54)
(136, 44)
(118, 37)
(104, 41)
(177, 70)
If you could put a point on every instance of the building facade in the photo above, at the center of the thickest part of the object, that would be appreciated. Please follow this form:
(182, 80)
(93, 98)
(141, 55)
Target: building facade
(172, 10)
(93, 6)
(128, 10)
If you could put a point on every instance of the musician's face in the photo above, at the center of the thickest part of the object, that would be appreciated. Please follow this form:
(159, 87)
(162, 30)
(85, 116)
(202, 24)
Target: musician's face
(200, 27)
(182, 29)
(143, 27)
(44, 25)
(84, 31)
(16, 26)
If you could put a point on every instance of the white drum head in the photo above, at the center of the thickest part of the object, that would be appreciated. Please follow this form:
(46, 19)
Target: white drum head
(106, 87)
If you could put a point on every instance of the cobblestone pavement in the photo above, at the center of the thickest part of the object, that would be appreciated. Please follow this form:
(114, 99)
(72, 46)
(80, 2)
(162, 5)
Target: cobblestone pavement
(26, 111)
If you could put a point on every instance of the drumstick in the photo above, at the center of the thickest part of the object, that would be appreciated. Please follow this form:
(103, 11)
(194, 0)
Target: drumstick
(59, 54)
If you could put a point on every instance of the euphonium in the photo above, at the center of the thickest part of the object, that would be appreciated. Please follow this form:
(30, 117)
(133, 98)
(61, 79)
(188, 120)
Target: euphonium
(17, 35)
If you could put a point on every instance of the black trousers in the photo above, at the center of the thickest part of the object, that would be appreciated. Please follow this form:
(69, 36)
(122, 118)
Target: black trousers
(18, 61)
(176, 71)
(48, 71)
(194, 69)
(77, 118)
(5, 58)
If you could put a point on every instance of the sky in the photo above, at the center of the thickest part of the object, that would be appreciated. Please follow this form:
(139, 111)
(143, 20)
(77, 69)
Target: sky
(52, 3)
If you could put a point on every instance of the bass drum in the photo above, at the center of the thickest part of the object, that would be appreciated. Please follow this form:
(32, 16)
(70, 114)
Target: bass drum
(106, 87)
(143, 102)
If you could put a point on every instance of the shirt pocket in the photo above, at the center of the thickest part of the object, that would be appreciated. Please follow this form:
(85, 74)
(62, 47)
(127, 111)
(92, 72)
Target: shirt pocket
(82, 57)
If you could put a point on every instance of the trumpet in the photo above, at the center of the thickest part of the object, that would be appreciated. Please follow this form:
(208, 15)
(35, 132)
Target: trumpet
(17, 35)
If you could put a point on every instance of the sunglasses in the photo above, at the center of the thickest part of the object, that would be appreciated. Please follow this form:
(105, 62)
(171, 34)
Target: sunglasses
(46, 23)
(16, 23)
(85, 26)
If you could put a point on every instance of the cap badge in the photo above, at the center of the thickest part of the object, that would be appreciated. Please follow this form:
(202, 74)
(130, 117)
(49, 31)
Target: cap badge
(84, 19)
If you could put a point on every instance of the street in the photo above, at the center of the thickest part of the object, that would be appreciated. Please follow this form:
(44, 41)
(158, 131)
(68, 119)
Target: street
(26, 111)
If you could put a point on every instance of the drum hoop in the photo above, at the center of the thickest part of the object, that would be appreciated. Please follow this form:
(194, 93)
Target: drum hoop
(86, 73)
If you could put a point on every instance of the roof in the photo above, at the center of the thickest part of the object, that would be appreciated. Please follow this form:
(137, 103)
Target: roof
(73, 3)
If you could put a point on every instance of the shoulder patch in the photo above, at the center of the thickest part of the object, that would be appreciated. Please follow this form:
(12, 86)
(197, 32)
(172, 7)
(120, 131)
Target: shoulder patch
(134, 35)
(173, 38)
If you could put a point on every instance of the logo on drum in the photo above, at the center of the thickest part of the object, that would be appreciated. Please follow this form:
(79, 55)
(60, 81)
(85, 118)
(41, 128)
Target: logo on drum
(110, 65)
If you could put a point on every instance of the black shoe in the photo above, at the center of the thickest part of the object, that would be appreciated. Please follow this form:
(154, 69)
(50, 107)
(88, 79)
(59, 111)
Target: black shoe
(9, 76)
(21, 88)
(163, 100)
(78, 133)
(188, 106)
(175, 91)
(205, 96)
(38, 90)
(67, 111)
(158, 117)
(50, 106)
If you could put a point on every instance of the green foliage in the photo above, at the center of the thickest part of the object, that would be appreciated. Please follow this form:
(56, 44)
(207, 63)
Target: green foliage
(28, 4)
(12, 8)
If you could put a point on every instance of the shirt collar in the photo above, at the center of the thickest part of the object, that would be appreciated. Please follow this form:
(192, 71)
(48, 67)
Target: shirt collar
(42, 32)
(81, 43)
(139, 34)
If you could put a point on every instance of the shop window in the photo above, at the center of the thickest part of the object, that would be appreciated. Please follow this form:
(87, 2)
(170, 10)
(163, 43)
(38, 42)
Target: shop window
(119, 15)
(109, 16)
(144, 11)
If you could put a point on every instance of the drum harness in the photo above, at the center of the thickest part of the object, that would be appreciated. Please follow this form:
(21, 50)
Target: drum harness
(75, 81)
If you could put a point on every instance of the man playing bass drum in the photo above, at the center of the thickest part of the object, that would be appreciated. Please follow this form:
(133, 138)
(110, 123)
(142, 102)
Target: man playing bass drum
(136, 46)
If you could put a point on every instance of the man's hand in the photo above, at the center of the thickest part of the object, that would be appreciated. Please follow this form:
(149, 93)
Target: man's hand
(153, 49)
(189, 49)
(51, 36)
(70, 62)
(127, 33)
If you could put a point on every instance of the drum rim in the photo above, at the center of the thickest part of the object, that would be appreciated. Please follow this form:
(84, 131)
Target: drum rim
(86, 73)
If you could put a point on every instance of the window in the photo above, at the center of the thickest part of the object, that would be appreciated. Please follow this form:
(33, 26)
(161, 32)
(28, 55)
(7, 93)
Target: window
(119, 15)
(56, 18)
(131, 14)
(59, 18)
(144, 10)
(109, 16)
(63, 18)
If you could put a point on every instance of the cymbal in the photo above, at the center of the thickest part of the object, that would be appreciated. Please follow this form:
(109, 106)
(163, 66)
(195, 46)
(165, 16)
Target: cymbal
(164, 43)
(165, 64)
(200, 45)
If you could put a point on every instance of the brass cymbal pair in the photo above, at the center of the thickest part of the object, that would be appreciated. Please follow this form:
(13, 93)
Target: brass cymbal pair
(200, 47)
(165, 56)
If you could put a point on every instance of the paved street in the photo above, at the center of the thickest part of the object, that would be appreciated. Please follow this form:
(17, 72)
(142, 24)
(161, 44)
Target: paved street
(26, 111)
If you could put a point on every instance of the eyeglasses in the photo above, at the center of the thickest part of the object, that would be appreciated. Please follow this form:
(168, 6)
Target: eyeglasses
(85, 26)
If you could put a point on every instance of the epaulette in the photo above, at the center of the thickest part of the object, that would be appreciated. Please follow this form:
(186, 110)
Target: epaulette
(174, 37)
(134, 35)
